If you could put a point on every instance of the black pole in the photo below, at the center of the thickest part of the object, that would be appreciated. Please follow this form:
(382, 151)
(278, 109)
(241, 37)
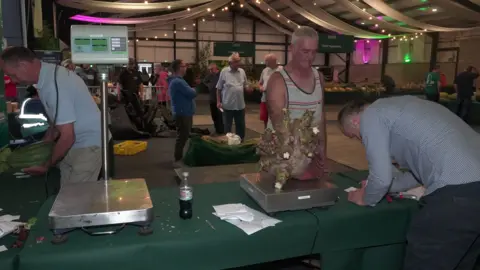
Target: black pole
(286, 49)
(327, 60)
(385, 52)
(234, 27)
(433, 53)
(135, 45)
(197, 45)
(254, 38)
(174, 41)
(347, 67)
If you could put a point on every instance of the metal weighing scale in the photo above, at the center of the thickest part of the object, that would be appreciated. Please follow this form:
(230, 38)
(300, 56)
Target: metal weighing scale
(94, 206)
(296, 194)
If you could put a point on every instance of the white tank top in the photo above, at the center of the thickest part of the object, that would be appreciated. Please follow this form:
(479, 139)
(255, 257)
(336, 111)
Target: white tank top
(298, 101)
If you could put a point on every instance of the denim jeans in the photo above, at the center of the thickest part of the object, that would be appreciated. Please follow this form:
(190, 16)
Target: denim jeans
(239, 116)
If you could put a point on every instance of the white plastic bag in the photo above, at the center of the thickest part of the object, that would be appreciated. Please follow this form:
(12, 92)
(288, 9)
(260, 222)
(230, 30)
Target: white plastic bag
(233, 139)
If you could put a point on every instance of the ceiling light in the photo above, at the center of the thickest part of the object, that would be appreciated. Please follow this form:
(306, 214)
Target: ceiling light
(203, 19)
(376, 25)
(137, 40)
(241, 5)
(368, 41)
(278, 15)
(421, 34)
(411, 38)
(298, 26)
(425, 30)
(193, 24)
(184, 28)
(188, 9)
(226, 8)
(314, 3)
(364, 9)
(232, 4)
(434, 10)
(268, 9)
(169, 7)
(208, 9)
(362, 23)
(174, 32)
(155, 36)
(213, 15)
(393, 38)
(288, 21)
(146, 2)
(355, 41)
(165, 35)
(370, 18)
(380, 41)
(146, 39)
(383, 30)
(128, 41)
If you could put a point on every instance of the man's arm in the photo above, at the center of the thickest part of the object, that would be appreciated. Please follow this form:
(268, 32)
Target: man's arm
(402, 181)
(261, 82)
(276, 100)
(63, 144)
(323, 125)
(182, 87)
(376, 140)
(219, 86)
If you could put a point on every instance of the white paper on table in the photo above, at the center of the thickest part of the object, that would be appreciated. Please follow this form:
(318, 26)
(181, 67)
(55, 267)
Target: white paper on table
(233, 208)
(3, 248)
(350, 189)
(7, 227)
(9, 218)
(260, 221)
(248, 217)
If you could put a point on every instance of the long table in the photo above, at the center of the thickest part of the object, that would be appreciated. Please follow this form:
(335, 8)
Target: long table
(24, 197)
(346, 236)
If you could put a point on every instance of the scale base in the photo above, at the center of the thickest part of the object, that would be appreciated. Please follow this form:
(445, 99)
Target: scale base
(296, 194)
(101, 203)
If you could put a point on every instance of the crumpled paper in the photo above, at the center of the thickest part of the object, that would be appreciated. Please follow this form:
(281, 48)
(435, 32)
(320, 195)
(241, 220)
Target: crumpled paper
(8, 224)
(247, 219)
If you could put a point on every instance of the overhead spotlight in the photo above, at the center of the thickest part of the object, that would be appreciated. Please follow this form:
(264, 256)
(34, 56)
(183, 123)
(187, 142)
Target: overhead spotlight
(434, 10)
(193, 24)
(128, 41)
(268, 9)
(174, 32)
(376, 25)
(184, 28)
(393, 38)
(380, 41)
(278, 15)
(241, 5)
(169, 7)
(383, 30)
(165, 35)
(421, 34)
(188, 9)
(213, 15)
(362, 23)
(425, 30)
(355, 41)
(226, 8)
(314, 3)
(146, 39)
(368, 41)
(136, 40)
(258, 1)
(146, 2)
(203, 19)
(208, 9)
(364, 9)
(156, 37)
(232, 3)
(389, 35)
(298, 26)
(370, 17)
(288, 21)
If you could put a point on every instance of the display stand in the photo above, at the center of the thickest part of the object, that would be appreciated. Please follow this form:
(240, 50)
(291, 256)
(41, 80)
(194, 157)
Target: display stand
(95, 207)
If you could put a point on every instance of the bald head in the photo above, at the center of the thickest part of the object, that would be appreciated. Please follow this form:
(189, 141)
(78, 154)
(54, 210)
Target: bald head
(271, 60)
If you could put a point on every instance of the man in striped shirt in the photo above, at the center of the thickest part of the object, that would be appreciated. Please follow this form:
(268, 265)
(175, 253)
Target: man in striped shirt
(441, 151)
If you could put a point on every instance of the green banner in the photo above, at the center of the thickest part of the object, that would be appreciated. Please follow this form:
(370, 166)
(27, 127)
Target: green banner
(335, 43)
(245, 49)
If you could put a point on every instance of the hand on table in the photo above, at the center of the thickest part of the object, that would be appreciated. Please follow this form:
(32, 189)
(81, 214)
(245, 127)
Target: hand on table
(356, 196)
(36, 170)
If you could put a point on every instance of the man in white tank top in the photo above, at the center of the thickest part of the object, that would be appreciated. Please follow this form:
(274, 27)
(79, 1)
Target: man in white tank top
(299, 87)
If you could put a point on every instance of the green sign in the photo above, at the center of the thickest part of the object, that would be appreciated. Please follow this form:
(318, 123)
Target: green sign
(245, 49)
(335, 43)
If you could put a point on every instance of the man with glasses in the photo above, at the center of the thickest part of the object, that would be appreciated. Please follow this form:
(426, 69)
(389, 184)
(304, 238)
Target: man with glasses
(211, 81)
(230, 88)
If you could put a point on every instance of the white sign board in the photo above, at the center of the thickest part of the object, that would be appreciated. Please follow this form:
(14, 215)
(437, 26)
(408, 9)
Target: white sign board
(99, 44)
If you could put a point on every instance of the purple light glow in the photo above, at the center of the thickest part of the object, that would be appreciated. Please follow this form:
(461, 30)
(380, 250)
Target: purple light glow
(91, 19)
(380, 17)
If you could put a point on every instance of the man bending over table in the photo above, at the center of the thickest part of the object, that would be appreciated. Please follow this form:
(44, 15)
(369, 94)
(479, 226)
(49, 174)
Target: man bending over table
(442, 152)
(299, 87)
(74, 119)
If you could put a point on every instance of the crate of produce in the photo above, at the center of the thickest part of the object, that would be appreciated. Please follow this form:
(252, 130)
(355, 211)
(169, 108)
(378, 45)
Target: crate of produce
(129, 148)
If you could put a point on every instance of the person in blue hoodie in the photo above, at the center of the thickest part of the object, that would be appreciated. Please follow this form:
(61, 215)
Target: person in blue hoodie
(183, 105)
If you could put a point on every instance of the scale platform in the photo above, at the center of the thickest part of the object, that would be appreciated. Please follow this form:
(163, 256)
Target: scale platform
(296, 194)
(101, 203)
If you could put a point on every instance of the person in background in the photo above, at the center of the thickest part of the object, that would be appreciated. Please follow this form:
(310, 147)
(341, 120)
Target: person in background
(159, 80)
(130, 80)
(443, 79)
(211, 81)
(184, 107)
(75, 121)
(145, 77)
(464, 86)
(388, 83)
(190, 76)
(230, 98)
(88, 75)
(439, 150)
(68, 64)
(272, 66)
(432, 85)
(10, 89)
(299, 87)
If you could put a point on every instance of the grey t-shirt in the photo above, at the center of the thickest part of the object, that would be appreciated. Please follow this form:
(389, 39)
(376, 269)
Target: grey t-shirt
(232, 84)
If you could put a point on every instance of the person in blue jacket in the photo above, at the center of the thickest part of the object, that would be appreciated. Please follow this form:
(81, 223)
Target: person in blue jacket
(182, 98)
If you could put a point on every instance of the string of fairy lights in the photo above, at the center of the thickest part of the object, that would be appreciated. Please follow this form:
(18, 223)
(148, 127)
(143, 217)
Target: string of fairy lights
(284, 20)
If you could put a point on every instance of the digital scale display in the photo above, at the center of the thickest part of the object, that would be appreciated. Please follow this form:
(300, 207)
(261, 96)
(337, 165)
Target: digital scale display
(100, 45)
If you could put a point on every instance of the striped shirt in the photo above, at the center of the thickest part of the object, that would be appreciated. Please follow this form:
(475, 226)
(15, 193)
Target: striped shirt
(436, 145)
(298, 101)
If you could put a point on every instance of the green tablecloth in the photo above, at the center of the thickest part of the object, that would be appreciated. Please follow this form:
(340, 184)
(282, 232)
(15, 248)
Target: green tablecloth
(473, 115)
(347, 237)
(175, 244)
(22, 196)
(351, 237)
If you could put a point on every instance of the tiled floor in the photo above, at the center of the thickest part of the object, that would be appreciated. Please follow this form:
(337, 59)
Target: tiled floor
(340, 148)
